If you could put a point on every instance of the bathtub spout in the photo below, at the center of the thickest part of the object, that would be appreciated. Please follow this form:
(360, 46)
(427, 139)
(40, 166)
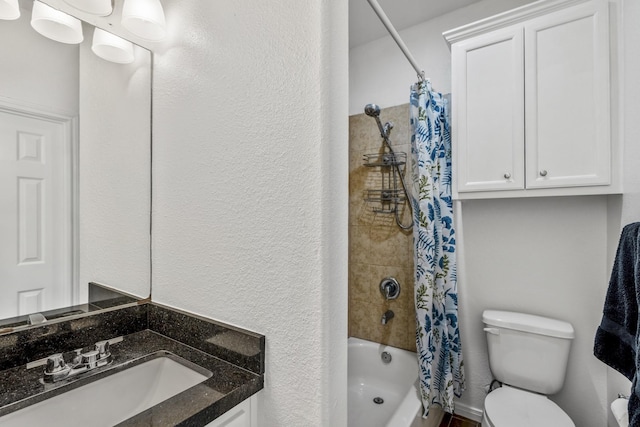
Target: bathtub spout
(388, 315)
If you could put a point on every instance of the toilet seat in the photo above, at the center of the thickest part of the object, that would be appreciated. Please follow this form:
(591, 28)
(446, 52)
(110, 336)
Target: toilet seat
(508, 406)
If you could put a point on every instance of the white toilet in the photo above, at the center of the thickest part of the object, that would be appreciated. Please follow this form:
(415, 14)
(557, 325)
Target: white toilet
(528, 355)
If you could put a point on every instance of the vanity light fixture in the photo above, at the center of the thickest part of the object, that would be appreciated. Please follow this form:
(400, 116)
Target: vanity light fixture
(111, 47)
(94, 7)
(55, 24)
(9, 9)
(144, 18)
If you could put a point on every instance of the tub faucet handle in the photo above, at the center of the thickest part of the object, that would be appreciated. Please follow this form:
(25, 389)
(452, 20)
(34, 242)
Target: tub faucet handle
(390, 288)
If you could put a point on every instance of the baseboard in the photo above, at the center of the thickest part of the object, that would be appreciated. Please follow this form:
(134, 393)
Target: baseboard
(467, 411)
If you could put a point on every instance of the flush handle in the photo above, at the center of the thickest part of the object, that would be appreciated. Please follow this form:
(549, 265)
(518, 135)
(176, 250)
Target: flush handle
(492, 331)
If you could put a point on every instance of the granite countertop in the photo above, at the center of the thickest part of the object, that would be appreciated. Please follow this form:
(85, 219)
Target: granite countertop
(197, 406)
(229, 385)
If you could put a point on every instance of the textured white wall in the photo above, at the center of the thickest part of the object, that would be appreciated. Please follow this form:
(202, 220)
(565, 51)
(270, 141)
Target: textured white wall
(115, 164)
(549, 256)
(250, 188)
(379, 73)
(37, 71)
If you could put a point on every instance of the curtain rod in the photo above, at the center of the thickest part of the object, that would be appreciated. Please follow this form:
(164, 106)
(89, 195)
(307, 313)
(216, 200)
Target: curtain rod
(394, 34)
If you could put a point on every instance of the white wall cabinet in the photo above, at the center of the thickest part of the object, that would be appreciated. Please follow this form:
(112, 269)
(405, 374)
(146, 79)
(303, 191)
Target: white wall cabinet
(531, 103)
(242, 415)
(488, 96)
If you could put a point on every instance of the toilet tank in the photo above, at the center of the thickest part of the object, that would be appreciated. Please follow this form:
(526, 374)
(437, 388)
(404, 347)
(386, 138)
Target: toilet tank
(526, 351)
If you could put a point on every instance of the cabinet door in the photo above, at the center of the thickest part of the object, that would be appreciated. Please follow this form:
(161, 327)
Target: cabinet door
(488, 111)
(568, 139)
(239, 416)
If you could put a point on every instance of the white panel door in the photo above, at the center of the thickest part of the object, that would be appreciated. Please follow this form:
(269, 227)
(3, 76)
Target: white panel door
(35, 215)
(488, 111)
(567, 97)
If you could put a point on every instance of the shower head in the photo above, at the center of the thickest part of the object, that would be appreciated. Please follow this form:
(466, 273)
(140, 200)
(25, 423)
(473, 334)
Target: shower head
(372, 110)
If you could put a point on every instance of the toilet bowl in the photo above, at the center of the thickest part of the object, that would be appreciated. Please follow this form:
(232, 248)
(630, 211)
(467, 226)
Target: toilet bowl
(528, 355)
(510, 407)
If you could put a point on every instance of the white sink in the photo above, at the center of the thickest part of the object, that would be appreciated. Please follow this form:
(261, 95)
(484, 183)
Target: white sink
(110, 400)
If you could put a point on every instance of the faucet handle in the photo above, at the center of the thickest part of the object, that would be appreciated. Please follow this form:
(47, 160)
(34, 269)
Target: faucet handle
(90, 359)
(56, 369)
(390, 288)
(55, 363)
(103, 353)
(102, 347)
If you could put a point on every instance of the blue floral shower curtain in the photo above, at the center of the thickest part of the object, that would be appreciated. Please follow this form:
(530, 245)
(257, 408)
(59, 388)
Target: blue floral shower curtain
(436, 297)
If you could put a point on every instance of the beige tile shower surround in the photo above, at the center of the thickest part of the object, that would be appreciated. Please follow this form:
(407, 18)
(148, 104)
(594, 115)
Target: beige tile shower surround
(377, 246)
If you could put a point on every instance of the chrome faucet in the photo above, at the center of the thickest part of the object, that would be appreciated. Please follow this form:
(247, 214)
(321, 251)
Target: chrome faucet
(390, 288)
(57, 369)
(388, 315)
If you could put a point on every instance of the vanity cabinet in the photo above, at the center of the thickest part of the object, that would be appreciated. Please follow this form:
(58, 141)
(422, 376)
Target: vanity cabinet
(531, 102)
(242, 415)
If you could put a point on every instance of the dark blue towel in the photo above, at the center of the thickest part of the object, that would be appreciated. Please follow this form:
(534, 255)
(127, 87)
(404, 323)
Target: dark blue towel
(617, 335)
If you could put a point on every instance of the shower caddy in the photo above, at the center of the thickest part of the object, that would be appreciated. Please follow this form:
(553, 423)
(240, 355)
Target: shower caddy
(390, 194)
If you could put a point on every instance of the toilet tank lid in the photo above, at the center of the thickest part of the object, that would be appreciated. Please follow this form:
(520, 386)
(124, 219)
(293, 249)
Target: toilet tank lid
(528, 323)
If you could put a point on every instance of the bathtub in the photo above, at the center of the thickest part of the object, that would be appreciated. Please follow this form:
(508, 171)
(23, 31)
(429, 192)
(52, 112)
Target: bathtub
(394, 382)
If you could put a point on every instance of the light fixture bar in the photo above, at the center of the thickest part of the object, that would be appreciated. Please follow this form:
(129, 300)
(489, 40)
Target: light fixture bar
(94, 7)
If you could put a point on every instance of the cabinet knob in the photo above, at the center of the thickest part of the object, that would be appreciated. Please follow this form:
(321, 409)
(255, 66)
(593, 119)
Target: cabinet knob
(543, 172)
(507, 175)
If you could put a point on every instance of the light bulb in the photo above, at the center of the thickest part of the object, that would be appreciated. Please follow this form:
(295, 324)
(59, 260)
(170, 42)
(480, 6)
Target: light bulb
(111, 47)
(56, 25)
(9, 9)
(144, 18)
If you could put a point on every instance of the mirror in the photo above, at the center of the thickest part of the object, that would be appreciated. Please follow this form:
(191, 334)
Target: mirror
(75, 164)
